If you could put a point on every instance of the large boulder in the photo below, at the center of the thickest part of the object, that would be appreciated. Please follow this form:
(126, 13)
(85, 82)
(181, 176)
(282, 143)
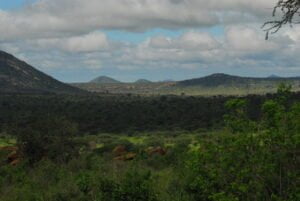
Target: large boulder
(119, 150)
(13, 158)
(156, 150)
(126, 157)
(9, 148)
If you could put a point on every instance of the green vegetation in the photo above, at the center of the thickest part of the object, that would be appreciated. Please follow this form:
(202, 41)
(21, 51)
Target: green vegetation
(245, 159)
(213, 85)
(6, 141)
(125, 114)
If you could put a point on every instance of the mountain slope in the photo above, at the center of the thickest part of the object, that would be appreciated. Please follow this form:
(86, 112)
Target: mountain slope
(16, 76)
(225, 80)
(104, 80)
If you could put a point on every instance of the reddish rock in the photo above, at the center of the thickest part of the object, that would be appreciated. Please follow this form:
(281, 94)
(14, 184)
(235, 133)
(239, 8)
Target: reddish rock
(130, 156)
(15, 162)
(13, 158)
(9, 148)
(126, 157)
(120, 150)
(156, 150)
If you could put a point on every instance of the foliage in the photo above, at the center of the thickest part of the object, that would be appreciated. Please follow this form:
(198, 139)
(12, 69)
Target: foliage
(122, 114)
(255, 159)
(237, 118)
(248, 166)
(50, 137)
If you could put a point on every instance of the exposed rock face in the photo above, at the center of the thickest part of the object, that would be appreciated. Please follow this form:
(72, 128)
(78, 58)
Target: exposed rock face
(16, 76)
(126, 157)
(121, 154)
(119, 150)
(156, 150)
(13, 155)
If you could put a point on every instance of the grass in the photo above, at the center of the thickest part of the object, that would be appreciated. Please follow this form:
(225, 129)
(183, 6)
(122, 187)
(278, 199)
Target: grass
(194, 147)
(102, 140)
(170, 88)
(7, 141)
(136, 140)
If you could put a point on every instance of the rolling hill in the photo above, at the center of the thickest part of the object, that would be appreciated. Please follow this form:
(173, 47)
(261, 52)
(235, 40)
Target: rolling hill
(220, 79)
(104, 80)
(16, 76)
(215, 84)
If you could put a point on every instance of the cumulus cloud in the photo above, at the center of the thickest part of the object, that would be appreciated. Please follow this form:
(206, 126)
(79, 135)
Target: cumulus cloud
(239, 47)
(69, 34)
(95, 41)
(189, 40)
(52, 18)
(248, 40)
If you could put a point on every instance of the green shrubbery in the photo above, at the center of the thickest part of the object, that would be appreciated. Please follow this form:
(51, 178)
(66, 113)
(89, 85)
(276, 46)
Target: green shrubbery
(247, 161)
(247, 165)
(51, 138)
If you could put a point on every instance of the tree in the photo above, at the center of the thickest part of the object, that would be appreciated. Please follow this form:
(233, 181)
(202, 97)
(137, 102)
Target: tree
(289, 10)
(50, 138)
(237, 118)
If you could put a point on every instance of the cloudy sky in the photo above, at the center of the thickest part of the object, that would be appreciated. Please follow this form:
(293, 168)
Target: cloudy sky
(77, 40)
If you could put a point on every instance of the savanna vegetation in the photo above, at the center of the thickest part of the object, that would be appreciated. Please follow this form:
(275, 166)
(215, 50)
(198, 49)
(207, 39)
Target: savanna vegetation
(124, 113)
(131, 148)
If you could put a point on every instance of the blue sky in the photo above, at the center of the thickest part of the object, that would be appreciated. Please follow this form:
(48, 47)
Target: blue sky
(75, 41)
(11, 4)
(137, 37)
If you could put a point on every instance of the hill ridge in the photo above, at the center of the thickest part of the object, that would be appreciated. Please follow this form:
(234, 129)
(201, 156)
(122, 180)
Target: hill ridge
(17, 76)
(218, 79)
(104, 80)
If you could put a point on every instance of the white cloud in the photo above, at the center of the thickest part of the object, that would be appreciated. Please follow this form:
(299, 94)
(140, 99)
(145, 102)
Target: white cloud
(95, 41)
(87, 43)
(160, 42)
(53, 18)
(245, 39)
(189, 40)
(197, 40)
(241, 46)
(68, 34)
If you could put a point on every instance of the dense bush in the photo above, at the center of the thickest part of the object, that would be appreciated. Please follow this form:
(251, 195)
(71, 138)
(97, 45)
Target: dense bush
(122, 114)
(251, 166)
(255, 157)
(51, 137)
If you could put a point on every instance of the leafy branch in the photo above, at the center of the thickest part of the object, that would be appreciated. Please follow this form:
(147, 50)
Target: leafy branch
(289, 9)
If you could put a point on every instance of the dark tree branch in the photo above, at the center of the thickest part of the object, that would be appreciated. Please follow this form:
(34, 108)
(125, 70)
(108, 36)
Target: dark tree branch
(289, 9)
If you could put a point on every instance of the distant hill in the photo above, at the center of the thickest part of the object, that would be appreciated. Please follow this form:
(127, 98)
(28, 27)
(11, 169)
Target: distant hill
(16, 76)
(215, 84)
(225, 80)
(143, 81)
(167, 80)
(274, 76)
(104, 80)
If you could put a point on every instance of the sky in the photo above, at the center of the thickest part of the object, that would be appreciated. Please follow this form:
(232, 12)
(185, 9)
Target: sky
(78, 40)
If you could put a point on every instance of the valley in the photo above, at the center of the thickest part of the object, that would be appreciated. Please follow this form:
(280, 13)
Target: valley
(212, 85)
(147, 141)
